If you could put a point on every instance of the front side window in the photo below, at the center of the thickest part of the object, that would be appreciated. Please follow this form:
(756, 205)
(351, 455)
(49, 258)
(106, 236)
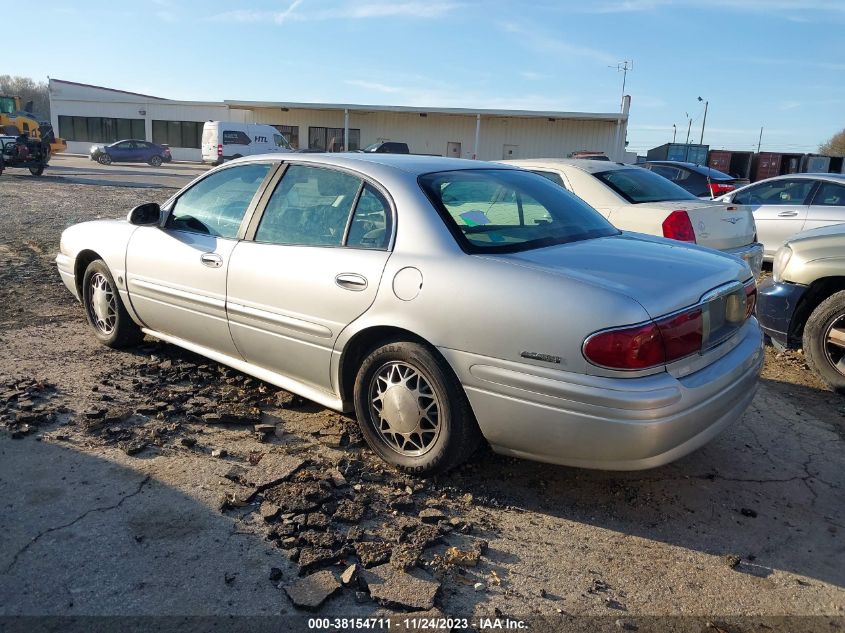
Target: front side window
(217, 203)
(310, 207)
(637, 185)
(776, 192)
(493, 210)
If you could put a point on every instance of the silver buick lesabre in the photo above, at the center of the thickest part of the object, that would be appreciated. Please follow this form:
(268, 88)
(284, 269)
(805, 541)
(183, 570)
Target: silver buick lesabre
(445, 301)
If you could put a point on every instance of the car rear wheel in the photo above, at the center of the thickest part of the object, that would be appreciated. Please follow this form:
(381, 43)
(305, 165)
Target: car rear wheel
(824, 341)
(105, 311)
(104, 159)
(412, 410)
(155, 161)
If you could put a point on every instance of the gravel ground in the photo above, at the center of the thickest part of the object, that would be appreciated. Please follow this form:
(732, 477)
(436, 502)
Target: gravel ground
(117, 499)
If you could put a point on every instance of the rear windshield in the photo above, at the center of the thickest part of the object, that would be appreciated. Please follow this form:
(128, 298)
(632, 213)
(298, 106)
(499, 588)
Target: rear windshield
(504, 211)
(638, 185)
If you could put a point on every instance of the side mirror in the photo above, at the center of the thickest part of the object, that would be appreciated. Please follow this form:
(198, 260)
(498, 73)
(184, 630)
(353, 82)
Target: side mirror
(145, 214)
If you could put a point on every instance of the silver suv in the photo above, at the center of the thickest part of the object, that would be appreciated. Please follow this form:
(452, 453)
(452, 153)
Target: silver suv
(803, 304)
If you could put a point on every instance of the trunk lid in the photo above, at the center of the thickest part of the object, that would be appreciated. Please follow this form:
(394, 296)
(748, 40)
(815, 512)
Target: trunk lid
(661, 275)
(716, 224)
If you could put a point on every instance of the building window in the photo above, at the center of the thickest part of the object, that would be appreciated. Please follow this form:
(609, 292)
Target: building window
(291, 134)
(330, 139)
(178, 133)
(100, 129)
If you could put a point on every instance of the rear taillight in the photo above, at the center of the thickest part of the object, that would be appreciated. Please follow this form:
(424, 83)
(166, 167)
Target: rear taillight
(677, 226)
(750, 299)
(649, 345)
(220, 150)
(627, 348)
(720, 188)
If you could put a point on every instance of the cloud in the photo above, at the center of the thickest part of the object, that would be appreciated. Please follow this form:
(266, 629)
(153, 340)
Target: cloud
(530, 75)
(345, 11)
(553, 45)
(372, 85)
(796, 9)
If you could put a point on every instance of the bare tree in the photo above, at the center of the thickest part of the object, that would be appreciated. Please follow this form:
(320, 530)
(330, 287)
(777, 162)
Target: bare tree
(28, 90)
(835, 146)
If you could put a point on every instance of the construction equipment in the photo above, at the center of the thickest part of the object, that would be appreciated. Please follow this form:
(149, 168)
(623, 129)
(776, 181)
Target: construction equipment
(15, 120)
(24, 152)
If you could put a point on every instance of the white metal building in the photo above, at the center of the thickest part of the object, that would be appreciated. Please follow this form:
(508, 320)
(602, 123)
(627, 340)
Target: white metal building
(84, 114)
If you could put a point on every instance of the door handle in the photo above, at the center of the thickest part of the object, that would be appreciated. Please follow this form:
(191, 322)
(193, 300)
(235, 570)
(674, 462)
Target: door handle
(351, 281)
(787, 214)
(212, 260)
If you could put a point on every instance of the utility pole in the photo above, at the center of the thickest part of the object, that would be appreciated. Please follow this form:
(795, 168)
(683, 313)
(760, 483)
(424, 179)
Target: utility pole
(704, 120)
(674, 132)
(689, 128)
(760, 140)
(624, 67)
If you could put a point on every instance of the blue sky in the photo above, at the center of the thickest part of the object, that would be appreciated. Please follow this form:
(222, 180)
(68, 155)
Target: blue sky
(773, 63)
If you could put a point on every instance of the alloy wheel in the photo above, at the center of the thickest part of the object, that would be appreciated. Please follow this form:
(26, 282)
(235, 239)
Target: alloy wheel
(834, 344)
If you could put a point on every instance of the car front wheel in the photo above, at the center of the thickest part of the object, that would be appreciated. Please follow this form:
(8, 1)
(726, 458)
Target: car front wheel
(105, 311)
(412, 410)
(104, 159)
(155, 161)
(824, 341)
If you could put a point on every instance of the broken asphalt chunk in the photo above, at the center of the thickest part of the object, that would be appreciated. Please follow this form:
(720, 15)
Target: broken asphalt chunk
(310, 592)
(273, 469)
(410, 590)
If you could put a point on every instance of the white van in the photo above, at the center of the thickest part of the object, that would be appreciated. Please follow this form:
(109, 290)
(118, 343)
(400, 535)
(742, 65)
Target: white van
(224, 140)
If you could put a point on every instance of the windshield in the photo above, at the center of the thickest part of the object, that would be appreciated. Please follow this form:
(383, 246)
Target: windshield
(372, 147)
(7, 105)
(503, 211)
(638, 185)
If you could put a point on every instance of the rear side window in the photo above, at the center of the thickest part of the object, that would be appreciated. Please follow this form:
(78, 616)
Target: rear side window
(637, 185)
(310, 207)
(550, 175)
(217, 203)
(830, 194)
(370, 227)
(498, 210)
(235, 138)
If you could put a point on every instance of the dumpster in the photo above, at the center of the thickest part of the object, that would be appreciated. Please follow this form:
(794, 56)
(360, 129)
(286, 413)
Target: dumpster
(682, 152)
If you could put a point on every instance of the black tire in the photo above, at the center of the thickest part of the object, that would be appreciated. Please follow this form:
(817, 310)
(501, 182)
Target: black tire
(457, 436)
(37, 171)
(104, 159)
(155, 161)
(123, 331)
(821, 355)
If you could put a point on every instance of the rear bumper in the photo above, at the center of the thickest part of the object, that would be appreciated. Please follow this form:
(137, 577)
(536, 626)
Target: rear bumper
(776, 304)
(751, 254)
(608, 423)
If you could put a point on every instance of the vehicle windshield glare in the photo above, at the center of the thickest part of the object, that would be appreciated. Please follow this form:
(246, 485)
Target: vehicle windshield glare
(638, 185)
(504, 211)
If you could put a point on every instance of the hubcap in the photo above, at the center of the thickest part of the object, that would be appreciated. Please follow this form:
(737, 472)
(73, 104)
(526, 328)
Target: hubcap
(404, 409)
(834, 347)
(102, 303)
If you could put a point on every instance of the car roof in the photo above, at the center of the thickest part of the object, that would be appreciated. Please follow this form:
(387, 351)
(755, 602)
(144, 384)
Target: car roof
(814, 176)
(696, 167)
(408, 163)
(584, 164)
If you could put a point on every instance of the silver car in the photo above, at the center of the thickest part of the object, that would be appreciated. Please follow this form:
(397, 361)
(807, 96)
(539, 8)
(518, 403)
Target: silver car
(786, 205)
(445, 301)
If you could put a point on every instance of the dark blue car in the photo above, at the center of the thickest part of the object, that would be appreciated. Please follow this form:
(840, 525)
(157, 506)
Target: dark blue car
(131, 151)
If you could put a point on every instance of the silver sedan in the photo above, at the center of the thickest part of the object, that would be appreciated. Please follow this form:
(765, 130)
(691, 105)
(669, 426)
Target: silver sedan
(445, 301)
(786, 205)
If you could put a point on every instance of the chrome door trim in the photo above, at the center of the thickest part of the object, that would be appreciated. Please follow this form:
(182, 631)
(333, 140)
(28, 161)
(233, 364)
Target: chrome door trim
(281, 320)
